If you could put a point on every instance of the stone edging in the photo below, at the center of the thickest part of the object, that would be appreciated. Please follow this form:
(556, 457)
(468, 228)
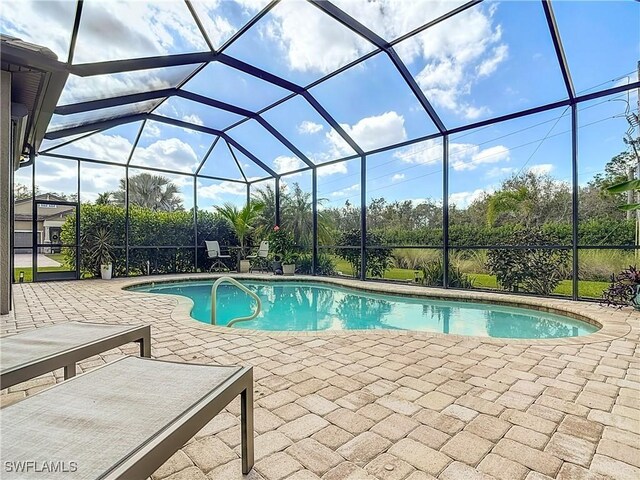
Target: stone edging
(613, 323)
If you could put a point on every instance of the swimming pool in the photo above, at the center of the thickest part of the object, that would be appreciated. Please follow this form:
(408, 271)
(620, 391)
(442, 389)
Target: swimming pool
(309, 306)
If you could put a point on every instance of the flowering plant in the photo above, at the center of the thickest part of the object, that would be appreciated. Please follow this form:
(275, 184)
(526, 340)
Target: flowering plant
(282, 245)
(624, 289)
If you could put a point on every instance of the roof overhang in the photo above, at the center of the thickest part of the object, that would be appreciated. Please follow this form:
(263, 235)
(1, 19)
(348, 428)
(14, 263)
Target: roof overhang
(37, 80)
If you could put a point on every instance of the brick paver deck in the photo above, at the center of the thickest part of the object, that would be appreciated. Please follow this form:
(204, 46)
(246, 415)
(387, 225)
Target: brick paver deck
(386, 405)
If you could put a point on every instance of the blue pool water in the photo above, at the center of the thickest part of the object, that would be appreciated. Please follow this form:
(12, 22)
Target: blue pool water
(298, 306)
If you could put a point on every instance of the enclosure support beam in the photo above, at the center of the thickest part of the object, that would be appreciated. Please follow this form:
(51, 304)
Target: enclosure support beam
(277, 201)
(126, 199)
(445, 211)
(557, 44)
(195, 223)
(363, 217)
(126, 220)
(369, 35)
(314, 224)
(574, 196)
(78, 256)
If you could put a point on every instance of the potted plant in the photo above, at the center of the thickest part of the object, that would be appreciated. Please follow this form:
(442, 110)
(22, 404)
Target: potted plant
(241, 219)
(100, 252)
(289, 263)
(624, 289)
(284, 251)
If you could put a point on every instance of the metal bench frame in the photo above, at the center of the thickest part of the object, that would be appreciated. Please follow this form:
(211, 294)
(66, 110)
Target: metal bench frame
(144, 459)
(68, 358)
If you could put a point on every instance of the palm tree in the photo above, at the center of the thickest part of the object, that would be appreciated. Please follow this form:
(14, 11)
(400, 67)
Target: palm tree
(154, 192)
(242, 220)
(508, 201)
(266, 220)
(104, 198)
(297, 214)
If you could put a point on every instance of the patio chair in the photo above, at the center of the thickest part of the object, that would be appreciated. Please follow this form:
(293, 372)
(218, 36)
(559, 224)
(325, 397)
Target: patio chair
(214, 253)
(33, 353)
(122, 420)
(259, 259)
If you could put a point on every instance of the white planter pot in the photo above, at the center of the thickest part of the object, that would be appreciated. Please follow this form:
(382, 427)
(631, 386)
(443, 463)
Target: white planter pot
(245, 265)
(105, 271)
(288, 268)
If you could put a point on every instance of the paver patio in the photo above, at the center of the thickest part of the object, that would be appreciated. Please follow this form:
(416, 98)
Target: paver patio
(384, 405)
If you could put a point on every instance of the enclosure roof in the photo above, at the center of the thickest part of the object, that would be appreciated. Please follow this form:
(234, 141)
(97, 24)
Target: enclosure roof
(243, 90)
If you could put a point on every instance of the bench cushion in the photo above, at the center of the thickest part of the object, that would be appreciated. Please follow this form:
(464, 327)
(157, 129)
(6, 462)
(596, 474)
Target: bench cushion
(100, 418)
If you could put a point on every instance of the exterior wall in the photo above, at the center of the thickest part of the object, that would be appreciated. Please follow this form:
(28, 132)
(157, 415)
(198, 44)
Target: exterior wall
(6, 170)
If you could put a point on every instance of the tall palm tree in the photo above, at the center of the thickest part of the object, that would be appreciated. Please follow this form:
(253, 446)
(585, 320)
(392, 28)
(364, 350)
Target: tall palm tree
(154, 192)
(242, 220)
(508, 201)
(297, 214)
(104, 198)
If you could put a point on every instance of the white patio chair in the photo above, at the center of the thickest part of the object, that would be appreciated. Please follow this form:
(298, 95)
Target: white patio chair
(214, 253)
(259, 259)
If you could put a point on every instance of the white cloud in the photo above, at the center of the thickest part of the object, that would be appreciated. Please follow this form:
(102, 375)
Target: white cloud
(121, 29)
(102, 146)
(490, 64)
(473, 113)
(454, 55)
(397, 177)
(79, 89)
(217, 191)
(171, 153)
(541, 169)
(218, 27)
(307, 127)
(311, 40)
(193, 118)
(287, 164)
(428, 152)
(462, 156)
(370, 133)
(499, 172)
(151, 130)
(332, 169)
(464, 199)
(17, 19)
(469, 156)
(346, 192)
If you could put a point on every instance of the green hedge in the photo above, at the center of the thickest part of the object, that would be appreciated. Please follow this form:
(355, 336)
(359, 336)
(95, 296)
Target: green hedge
(158, 229)
(149, 228)
(600, 231)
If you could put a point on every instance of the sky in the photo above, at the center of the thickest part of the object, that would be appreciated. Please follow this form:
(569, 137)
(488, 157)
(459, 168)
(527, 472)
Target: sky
(493, 59)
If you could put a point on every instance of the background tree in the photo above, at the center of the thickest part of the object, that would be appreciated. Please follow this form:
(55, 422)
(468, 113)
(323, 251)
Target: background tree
(154, 192)
(242, 220)
(104, 198)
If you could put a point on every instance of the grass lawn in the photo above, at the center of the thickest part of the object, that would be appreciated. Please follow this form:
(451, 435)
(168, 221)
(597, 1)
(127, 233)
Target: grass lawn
(484, 280)
(28, 271)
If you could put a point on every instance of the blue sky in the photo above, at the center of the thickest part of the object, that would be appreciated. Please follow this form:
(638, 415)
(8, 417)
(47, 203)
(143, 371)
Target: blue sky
(493, 59)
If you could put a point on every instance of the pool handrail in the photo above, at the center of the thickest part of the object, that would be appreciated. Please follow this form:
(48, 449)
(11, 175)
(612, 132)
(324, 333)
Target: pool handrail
(214, 291)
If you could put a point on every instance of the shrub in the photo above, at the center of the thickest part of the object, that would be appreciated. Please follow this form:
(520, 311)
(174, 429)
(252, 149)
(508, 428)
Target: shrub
(378, 259)
(325, 265)
(150, 235)
(601, 265)
(593, 231)
(433, 276)
(623, 289)
(535, 270)
(414, 258)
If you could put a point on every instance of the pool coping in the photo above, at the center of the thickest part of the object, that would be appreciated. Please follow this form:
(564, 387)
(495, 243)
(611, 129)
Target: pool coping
(614, 323)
